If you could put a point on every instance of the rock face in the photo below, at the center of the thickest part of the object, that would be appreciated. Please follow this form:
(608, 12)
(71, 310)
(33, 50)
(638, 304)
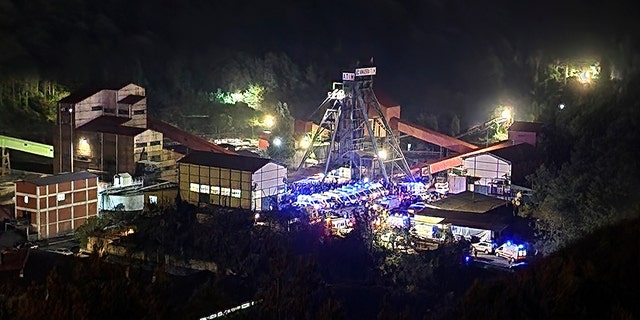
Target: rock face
(111, 246)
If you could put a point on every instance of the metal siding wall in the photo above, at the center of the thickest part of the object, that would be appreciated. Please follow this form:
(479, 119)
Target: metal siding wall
(486, 166)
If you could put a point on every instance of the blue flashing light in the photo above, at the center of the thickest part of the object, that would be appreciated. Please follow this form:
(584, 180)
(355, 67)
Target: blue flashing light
(520, 246)
(467, 259)
(508, 242)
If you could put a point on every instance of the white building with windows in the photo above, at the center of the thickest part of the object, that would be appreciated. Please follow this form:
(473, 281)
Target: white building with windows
(231, 180)
(498, 171)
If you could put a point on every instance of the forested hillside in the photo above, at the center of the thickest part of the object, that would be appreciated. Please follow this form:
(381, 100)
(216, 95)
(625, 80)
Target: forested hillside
(594, 278)
(440, 60)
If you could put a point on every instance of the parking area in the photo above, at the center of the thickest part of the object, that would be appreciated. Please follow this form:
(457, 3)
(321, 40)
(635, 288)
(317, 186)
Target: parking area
(404, 217)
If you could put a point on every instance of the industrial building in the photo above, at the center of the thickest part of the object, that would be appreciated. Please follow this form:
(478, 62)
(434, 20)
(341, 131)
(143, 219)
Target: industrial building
(108, 131)
(467, 215)
(132, 195)
(57, 205)
(497, 171)
(231, 180)
(105, 131)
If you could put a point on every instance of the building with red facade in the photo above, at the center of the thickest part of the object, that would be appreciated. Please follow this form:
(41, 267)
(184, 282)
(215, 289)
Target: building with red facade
(57, 205)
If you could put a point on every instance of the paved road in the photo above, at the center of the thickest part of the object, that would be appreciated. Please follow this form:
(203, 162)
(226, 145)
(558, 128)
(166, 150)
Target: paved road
(490, 260)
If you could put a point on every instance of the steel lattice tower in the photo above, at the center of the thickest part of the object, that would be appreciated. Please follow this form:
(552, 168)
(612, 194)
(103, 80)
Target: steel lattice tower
(352, 141)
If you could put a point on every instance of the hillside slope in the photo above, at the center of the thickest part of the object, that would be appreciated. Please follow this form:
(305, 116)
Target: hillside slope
(595, 278)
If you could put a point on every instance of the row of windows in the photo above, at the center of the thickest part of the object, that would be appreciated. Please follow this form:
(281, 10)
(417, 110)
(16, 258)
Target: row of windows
(144, 144)
(113, 111)
(59, 197)
(207, 189)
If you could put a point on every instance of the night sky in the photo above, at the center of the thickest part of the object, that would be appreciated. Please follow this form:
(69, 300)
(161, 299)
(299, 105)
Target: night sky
(435, 56)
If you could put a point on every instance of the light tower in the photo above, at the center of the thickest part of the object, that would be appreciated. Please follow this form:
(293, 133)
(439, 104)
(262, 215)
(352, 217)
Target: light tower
(359, 136)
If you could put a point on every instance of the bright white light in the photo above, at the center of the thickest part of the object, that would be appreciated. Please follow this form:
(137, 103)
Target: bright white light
(305, 142)
(382, 154)
(277, 141)
(506, 114)
(561, 106)
(257, 216)
(584, 77)
(269, 121)
(70, 110)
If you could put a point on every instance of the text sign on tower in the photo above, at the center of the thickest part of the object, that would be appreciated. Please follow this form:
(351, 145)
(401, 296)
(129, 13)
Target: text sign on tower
(361, 72)
(348, 76)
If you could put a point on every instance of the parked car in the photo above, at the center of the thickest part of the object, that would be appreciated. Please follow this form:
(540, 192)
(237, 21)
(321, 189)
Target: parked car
(483, 246)
(417, 207)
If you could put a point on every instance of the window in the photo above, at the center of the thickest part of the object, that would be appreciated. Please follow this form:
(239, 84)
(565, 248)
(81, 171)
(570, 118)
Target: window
(236, 193)
(155, 143)
(204, 188)
(123, 111)
(138, 111)
(109, 110)
(215, 190)
(153, 199)
(97, 108)
(225, 191)
(194, 187)
(141, 144)
(61, 197)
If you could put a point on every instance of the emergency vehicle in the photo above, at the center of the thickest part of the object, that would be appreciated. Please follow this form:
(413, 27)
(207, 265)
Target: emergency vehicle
(512, 252)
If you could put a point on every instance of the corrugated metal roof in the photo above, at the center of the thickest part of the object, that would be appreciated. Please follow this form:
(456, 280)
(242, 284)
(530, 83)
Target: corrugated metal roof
(489, 221)
(111, 124)
(59, 178)
(189, 140)
(79, 95)
(131, 99)
(84, 93)
(456, 160)
(468, 201)
(227, 161)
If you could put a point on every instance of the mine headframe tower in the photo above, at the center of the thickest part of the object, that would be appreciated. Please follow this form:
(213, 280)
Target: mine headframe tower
(352, 113)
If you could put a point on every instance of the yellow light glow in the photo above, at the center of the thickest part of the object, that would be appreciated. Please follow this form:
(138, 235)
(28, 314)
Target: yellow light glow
(84, 148)
(585, 77)
(506, 114)
(269, 121)
(382, 154)
(305, 142)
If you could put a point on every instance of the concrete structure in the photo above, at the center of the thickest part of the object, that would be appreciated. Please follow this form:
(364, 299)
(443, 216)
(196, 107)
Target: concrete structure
(161, 194)
(230, 180)
(105, 130)
(108, 131)
(123, 194)
(57, 205)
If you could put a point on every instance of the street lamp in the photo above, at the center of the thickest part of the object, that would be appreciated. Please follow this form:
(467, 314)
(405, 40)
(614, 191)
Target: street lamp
(305, 142)
(382, 154)
(277, 141)
(506, 114)
(269, 121)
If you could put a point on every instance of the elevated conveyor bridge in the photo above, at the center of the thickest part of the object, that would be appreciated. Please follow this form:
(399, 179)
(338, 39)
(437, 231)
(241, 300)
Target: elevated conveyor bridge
(27, 146)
